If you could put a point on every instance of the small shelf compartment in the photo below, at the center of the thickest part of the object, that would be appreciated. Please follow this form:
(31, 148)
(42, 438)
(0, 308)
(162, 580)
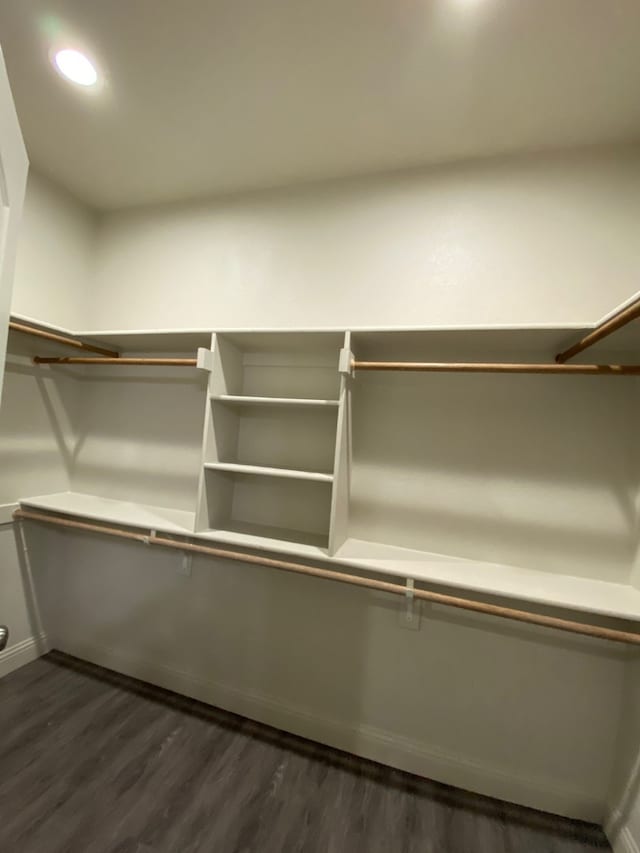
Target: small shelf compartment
(279, 508)
(282, 365)
(294, 438)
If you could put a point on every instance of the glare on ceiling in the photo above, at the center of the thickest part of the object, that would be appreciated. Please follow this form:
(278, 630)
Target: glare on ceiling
(75, 67)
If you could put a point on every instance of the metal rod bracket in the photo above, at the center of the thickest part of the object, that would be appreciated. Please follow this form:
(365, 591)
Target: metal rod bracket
(410, 615)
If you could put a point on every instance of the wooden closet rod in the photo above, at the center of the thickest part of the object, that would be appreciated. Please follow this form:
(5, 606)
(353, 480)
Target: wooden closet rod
(596, 631)
(620, 319)
(476, 367)
(173, 362)
(61, 339)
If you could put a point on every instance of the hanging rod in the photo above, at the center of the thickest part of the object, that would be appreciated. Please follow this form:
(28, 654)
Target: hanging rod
(612, 634)
(173, 362)
(620, 319)
(476, 367)
(61, 339)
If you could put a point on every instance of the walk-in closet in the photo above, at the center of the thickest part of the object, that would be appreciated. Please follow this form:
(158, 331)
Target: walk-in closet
(319, 471)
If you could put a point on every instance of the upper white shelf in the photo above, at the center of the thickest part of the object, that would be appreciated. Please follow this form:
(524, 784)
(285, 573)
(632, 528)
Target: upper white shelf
(289, 473)
(239, 400)
(535, 342)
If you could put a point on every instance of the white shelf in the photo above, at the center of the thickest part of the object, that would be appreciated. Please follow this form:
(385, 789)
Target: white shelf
(260, 470)
(115, 512)
(262, 537)
(237, 400)
(573, 593)
(546, 588)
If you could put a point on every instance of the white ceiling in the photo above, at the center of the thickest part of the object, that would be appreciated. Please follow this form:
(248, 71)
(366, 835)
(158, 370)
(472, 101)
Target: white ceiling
(210, 96)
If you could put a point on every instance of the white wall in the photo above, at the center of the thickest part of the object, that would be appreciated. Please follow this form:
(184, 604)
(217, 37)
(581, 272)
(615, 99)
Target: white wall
(38, 426)
(39, 406)
(512, 711)
(526, 471)
(464, 699)
(55, 253)
(521, 241)
(623, 824)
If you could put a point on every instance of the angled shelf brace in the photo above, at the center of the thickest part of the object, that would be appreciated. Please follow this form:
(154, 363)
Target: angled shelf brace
(61, 339)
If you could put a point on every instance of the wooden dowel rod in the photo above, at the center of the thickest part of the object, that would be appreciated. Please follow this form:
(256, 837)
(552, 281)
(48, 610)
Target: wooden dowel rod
(172, 362)
(477, 367)
(626, 315)
(61, 339)
(513, 614)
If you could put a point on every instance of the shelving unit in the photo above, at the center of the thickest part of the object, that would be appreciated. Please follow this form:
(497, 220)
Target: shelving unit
(270, 435)
(516, 486)
(616, 600)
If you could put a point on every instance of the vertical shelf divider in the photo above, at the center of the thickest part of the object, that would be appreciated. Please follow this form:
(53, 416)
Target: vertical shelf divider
(339, 516)
(201, 515)
(220, 436)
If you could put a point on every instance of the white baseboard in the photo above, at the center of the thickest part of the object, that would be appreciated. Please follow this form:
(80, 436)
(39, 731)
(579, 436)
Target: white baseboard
(366, 741)
(620, 836)
(624, 842)
(22, 653)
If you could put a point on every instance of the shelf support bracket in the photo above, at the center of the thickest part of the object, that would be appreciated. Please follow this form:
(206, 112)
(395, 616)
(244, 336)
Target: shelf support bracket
(410, 615)
(204, 359)
(345, 364)
(148, 539)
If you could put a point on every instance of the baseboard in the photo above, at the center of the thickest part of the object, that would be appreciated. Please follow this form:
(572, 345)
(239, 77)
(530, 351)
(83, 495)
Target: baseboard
(624, 842)
(366, 741)
(22, 653)
(620, 836)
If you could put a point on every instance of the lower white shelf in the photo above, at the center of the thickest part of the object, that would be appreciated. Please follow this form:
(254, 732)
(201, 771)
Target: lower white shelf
(574, 593)
(115, 512)
(266, 538)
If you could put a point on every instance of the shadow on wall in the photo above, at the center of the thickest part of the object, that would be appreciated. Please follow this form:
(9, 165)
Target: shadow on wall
(524, 471)
(38, 428)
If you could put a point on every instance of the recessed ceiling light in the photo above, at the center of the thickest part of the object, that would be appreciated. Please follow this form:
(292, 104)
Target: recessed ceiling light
(76, 67)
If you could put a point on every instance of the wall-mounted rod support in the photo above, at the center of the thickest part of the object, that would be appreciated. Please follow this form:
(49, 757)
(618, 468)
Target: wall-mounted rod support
(61, 339)
(170, 362)
(596, 631)
(620, 319)
(498, 367)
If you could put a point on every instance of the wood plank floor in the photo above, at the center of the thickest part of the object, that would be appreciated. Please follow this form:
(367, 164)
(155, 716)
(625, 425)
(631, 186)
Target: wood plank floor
(93, 762)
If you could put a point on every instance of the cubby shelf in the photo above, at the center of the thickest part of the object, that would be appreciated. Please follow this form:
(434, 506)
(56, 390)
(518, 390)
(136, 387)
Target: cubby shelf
(261, 470)
(264, 537)
(237, 400)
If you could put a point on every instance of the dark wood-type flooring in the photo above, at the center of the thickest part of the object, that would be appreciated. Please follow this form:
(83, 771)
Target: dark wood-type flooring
(93, 762)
